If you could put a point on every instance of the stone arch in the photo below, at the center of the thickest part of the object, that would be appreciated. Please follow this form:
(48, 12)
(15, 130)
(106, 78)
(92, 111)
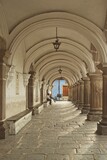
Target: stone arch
(60, 55)
(53, 78)
(2, 45)
(39, 50)
(67, 64)
(88, 29)
(67, 79)
(3, 26)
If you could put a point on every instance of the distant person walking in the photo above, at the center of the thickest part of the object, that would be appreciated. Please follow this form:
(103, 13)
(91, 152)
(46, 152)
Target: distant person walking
(49, 98)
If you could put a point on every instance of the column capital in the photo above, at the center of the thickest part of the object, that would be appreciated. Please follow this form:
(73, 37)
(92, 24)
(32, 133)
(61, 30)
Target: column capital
(33, 73)
(81, 81)
(26, 78)
(85, 79)
(103, 67)
(94, 75)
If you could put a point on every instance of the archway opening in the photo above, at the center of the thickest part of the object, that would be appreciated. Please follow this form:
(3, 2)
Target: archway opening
(60, 89)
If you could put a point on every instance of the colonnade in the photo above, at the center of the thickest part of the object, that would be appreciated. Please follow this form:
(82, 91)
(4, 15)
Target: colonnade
(90, 95)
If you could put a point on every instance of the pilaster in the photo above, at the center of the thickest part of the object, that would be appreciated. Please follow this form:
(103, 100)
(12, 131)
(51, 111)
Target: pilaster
(31, 94)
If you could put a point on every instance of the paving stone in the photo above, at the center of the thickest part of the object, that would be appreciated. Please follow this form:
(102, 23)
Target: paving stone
(60, 132)
(44, 150)
(70, 145)
(88, 151)
(91, 145)
(57, 157)
(12, 157)
(100, 157)
(35, 157)
(83, 157)
(67, 151)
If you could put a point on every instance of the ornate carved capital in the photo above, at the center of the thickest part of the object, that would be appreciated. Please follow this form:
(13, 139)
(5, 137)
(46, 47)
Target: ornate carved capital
(103, 67)
(26, 79)
(85, 79)
(95, 75)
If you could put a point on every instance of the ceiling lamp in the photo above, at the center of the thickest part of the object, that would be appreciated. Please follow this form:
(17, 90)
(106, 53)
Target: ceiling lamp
(60, 70)
(56, 44)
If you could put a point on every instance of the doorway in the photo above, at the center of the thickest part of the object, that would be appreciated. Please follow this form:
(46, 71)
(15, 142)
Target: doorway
(60, 89)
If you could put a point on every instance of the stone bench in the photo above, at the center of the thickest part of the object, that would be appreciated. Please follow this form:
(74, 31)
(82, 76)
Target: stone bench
(46, 104)
(38, 109)
(17, 122)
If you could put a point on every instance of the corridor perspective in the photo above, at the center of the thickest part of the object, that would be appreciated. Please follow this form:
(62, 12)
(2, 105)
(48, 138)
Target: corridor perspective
(53, 51)
(60, 132)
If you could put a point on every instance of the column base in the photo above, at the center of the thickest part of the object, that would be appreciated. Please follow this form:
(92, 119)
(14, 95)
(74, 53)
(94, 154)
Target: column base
(75, 103)
(85, 110)
(101, 129)
(3, 130)
(80, 106)
(32, 109)
(94, 116)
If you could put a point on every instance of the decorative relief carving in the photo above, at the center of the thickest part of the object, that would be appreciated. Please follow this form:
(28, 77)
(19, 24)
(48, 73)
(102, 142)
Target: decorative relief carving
(26, 79)
(97, 92)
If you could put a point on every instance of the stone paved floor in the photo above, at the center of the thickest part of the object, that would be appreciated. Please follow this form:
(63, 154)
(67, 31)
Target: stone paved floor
(60, 132)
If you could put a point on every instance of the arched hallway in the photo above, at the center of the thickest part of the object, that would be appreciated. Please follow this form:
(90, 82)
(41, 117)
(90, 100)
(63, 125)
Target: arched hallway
(60, 132)
(42, 43)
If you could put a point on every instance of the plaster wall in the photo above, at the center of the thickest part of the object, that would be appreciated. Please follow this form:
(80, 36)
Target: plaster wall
(16, 91)
(15, 96)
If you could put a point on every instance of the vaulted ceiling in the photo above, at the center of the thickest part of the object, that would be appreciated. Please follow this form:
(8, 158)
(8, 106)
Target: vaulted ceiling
(29, 28)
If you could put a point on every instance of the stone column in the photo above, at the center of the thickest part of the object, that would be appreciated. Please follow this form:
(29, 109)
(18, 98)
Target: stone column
(81, 104)
(75, 94)
(78, 95)
(102, 125)
(25, 82)
(3, 76)
(69, 93)
(44, 91)
(41, 92)
(31, 94)
(86, 106)
(2, 99)
(95, 112)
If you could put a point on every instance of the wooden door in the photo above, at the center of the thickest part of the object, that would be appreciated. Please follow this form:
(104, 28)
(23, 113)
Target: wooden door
(65, 90)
